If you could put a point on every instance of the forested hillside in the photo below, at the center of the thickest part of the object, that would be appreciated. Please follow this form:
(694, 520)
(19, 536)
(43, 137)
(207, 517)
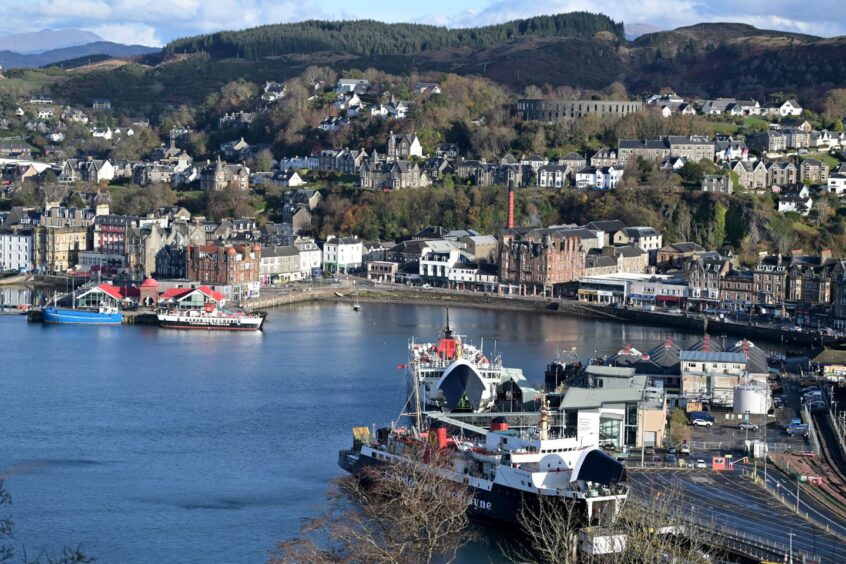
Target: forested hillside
(368, 37)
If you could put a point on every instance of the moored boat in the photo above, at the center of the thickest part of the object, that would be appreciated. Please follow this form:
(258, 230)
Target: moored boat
(211, 318)
(505, 470)
(454, 375)
(105, 315)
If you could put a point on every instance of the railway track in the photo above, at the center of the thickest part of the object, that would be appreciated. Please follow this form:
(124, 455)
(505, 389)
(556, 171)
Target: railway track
(832, 454)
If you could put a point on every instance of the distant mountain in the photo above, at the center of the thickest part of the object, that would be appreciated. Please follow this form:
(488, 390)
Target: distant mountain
(46, 40)
(635, 30)
(9, 59)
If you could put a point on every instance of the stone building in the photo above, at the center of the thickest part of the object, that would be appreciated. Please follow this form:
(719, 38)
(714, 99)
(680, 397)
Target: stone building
(231, 265)
(219, 176)
(554, 111)
(540, 261)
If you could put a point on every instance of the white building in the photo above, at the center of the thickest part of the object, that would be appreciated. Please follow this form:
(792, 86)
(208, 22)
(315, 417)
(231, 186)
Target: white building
(790, 108)
(311, 257)
(795, 203)
(342, 254)
(712, 375)
(599, 178)
(15, 252)
(837, 184)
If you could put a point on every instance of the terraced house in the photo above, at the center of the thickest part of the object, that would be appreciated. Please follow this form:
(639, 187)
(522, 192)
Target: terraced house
(782, 173)
(751, 175)
(693, 147)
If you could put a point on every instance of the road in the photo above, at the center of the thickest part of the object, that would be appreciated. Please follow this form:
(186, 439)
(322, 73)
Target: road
(728, 500)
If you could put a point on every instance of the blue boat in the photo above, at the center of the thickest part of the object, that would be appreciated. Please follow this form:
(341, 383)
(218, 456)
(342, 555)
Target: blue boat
(102, 316)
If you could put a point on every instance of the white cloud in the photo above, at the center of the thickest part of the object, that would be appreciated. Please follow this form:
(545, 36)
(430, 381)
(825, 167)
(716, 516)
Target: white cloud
(129, 34)
(815, 17)
(154, 22)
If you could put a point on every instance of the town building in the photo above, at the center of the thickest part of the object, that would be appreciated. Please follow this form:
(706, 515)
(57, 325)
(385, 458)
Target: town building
(219, 176)
(279, 265)
(56, 249)
(16, 251)
(718, 183)
(693, 148)
(712, 375)
(781, 173)
(704, 277)
(236, 266)
(555, 111)
(770, 141)
(403, 147)
(628, 415)
(649, 149)
(540, 261)
(382, 271)
(342, 254)
(751, 175)
(813, 171)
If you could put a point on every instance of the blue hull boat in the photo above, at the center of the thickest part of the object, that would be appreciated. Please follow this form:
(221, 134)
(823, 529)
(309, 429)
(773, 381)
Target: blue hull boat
(82, 317)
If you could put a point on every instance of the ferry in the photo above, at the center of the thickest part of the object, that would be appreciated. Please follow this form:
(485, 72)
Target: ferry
(456, 376)
(211, 318)
(504, 470)
(104, 315)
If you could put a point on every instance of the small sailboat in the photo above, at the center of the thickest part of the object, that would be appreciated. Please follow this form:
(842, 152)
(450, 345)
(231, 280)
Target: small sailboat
(356, 305)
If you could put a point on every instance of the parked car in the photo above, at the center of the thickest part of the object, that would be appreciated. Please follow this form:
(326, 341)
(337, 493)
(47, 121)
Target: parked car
(608, 445)
(427, 286)
(744, 425)
(684, 449)
(702, 423)
(649, 451)
(700, 463)
(672, 450)
(672, 460)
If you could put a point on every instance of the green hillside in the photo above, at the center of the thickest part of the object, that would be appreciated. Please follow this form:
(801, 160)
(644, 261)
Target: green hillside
(368, 37)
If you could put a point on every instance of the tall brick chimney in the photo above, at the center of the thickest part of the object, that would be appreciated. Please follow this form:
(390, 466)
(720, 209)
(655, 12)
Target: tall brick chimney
(510, 224)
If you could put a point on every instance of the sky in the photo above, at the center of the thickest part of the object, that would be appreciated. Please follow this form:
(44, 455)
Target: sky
(155, 22)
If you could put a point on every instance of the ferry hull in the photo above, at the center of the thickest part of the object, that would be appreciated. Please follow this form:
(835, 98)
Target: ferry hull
(498, 506)
(211, 324)
(80, 317)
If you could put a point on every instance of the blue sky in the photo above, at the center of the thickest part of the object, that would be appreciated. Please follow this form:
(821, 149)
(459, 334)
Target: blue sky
(155, 22)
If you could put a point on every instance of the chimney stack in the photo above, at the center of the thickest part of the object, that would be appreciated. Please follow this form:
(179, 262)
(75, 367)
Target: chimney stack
(510, 224)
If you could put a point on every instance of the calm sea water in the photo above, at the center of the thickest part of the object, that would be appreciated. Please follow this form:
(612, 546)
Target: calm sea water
(146, 445)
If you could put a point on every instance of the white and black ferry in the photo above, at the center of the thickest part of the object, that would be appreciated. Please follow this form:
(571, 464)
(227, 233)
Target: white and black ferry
(452, 375)
(505, 470)
(211, 318)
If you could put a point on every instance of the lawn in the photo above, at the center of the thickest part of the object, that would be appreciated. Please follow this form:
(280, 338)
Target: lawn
(753, 123)
(30, 81)
(724, 127)
(829, 159)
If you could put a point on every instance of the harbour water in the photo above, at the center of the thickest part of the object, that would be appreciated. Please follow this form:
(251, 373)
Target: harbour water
(148, 445)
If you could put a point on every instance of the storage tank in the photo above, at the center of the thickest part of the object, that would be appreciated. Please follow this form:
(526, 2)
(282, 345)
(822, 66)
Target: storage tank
(751, 398)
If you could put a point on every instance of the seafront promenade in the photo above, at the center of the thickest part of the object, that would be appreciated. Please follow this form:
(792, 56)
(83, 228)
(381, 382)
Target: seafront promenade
(690, 321)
